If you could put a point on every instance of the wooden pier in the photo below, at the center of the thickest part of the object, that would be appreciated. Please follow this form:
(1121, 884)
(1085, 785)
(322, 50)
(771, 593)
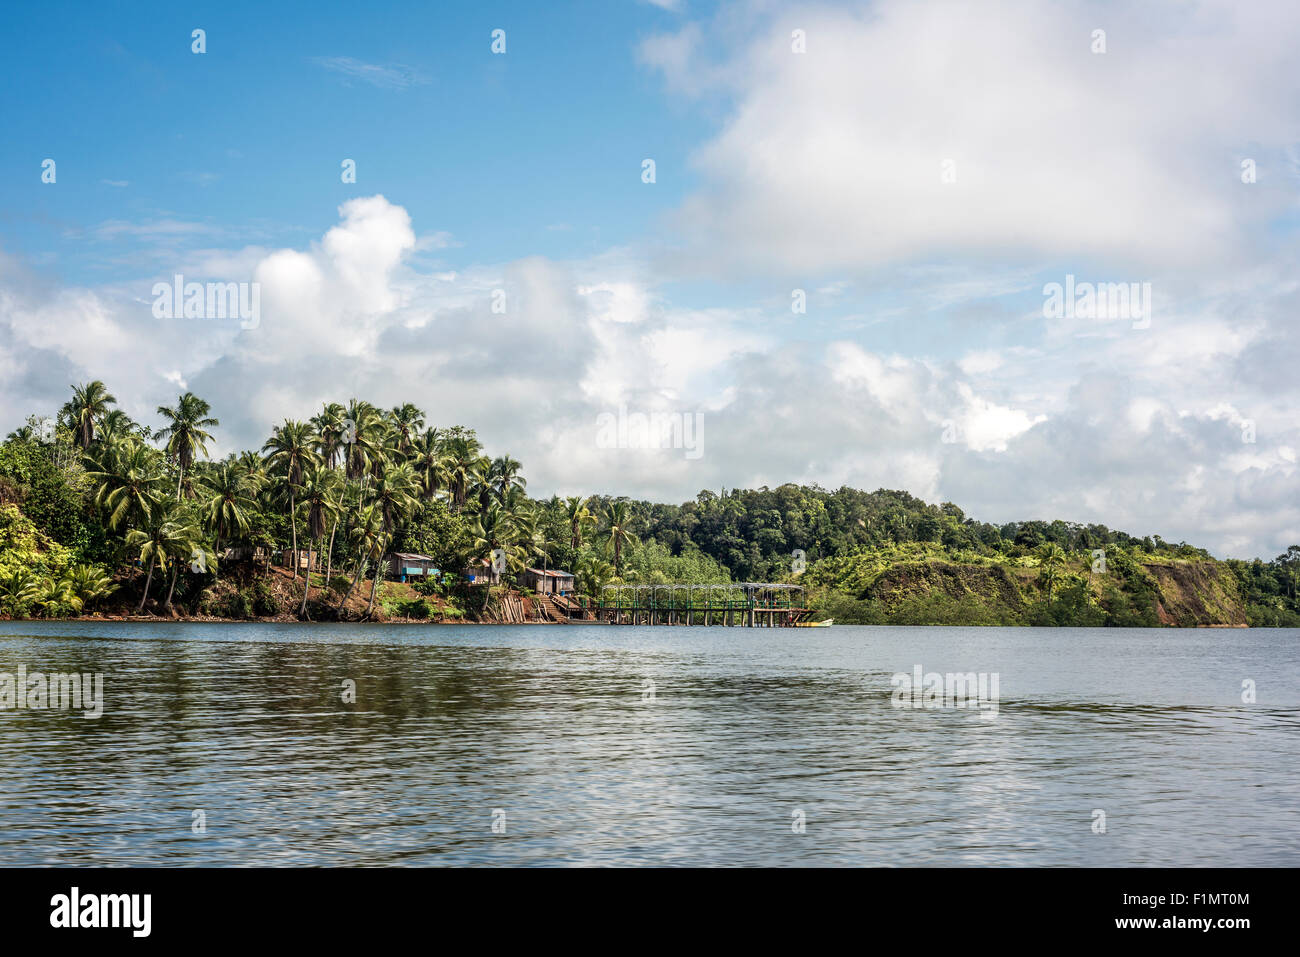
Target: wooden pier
(743, 604)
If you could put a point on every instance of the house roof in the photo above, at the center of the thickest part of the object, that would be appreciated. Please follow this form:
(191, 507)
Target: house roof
(412, 557)
(549, 573)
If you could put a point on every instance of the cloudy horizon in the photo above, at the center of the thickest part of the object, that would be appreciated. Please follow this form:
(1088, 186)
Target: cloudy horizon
(840, 266)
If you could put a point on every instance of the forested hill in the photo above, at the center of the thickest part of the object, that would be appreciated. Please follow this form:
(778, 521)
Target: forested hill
(887, 556)
(99, 512)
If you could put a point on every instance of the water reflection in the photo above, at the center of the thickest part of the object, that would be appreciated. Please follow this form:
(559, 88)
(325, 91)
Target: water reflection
(549, 725)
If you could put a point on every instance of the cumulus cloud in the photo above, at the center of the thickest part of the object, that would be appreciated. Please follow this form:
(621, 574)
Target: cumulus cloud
(836, 157)
(924, 361)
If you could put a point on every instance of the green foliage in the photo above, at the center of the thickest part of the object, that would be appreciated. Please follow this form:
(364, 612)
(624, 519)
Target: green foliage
(356, 482)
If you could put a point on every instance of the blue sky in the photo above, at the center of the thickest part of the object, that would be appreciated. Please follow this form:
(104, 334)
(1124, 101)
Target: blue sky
(536, 150)
(919, 172)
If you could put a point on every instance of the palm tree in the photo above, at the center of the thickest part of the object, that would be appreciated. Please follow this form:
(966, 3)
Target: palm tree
(227, 502)
(429, 462)
(18, 590)
(331, 433)
(406, 421)
(89, 583)
(185, 432)
(363, 439)
(154, 543)
(393, 495)
(320, 486)
(618, 518)
(367, 536)
(1051, 556)
(183, 543)
(291, 450)
(117, 425)
(56, 597)
(129, 475)
(593, 573)
(578, 515)
(464, 466)
(504, 472)
(88, 406)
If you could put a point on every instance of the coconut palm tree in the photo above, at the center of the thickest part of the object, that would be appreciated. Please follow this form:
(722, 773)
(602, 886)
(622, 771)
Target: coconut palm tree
(578, 516)
(320, 495)
(364, 437)
(87, 407)
(129, 477)
(185, 432)
(1051, 557)
(593, 574)
(406, 421)
(504, 475)
(289, 451)
(226, 502)
(117, 426)
(429, 462)
(331, 431)
(367, 537)
(618, 518)
(464, 464)
(184, 544)
(154, 543)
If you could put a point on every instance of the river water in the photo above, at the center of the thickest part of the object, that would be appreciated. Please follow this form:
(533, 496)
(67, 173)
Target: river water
(232, 744)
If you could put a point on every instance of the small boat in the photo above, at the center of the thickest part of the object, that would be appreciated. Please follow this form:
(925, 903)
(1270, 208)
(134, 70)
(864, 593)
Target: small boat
(815, 624)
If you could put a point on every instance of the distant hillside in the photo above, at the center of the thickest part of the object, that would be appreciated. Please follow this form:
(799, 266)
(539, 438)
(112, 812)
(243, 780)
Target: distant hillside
(888, 557)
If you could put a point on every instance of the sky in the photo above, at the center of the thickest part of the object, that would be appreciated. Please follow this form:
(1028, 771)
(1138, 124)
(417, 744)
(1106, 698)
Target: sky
(840, 271)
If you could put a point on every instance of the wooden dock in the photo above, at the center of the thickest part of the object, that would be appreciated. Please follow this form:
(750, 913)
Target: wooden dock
(744, 604)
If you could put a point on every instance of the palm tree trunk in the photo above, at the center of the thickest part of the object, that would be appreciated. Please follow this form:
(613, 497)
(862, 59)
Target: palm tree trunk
(329, 560)
(176, 570)
(361, 564)
(293, 525)
(148, 580)
(306, 582)
(374, 586)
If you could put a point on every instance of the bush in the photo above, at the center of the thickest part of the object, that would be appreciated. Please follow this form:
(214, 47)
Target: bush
(238, 604)
(414, 608)
(262, 600)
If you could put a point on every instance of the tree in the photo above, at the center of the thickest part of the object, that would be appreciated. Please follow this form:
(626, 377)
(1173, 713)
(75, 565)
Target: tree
(87, 407)
(1051, 556)
(618, 517)
(406, 421)
(289, 451)
(578, 516)
(464, 466)
(185, 432)
(504, 475)
(320, 495)
(154, 543)
(226, 502)
(129, 478)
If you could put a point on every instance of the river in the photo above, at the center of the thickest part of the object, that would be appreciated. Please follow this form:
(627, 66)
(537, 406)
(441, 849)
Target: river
(234, 744)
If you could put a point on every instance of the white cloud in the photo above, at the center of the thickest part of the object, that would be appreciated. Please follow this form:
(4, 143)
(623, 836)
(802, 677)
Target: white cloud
(831, 159)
